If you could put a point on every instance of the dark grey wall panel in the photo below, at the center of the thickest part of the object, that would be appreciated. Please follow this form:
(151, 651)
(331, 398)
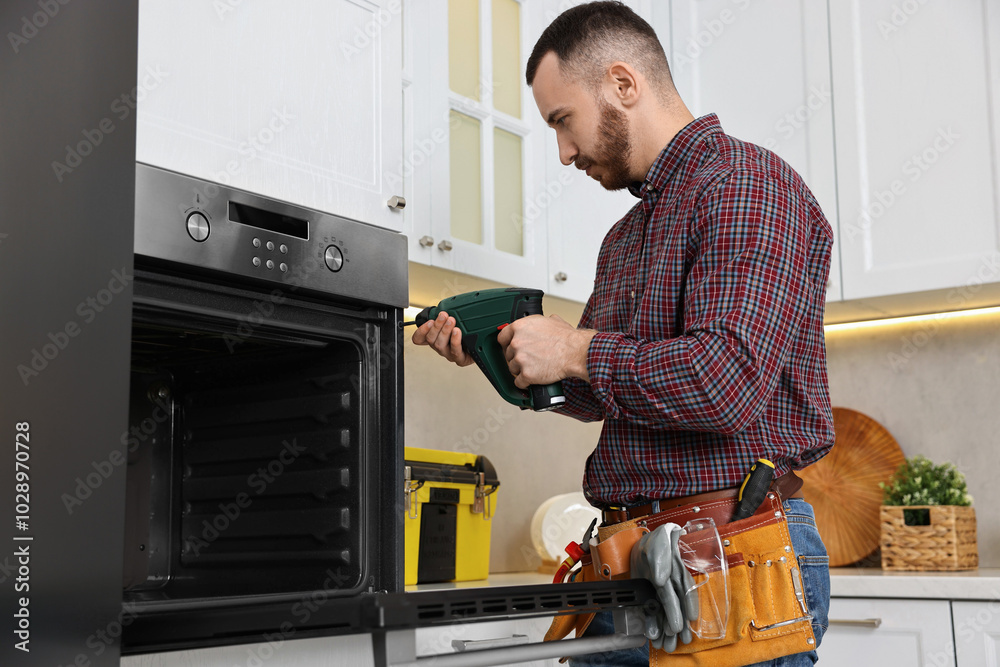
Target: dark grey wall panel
(67, 152)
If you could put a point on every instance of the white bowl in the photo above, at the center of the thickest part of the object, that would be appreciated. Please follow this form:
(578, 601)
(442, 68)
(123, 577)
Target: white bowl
(560, 520)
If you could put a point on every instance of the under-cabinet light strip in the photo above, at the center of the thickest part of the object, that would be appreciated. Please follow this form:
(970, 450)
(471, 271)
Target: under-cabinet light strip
(912, 319)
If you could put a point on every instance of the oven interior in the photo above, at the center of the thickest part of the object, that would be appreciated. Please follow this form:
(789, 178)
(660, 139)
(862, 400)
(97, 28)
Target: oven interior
(246, 472)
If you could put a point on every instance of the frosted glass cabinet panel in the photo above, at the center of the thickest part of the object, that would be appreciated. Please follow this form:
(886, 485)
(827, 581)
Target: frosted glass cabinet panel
(463, 47)
(507, 74)
(508, 221)
(466, 187)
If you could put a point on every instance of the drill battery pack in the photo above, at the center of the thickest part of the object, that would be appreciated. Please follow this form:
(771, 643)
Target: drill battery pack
(449, 505)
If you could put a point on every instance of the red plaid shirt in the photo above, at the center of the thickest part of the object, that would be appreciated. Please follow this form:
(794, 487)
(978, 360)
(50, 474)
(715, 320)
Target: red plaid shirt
(709, 303)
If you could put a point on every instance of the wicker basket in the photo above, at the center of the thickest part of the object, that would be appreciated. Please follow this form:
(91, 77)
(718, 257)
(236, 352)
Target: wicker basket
(948, 543)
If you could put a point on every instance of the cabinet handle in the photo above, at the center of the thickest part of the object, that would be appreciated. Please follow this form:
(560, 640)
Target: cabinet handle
(396, 202)
(445, 245)
(561, 277)
(857, 622)
(426, 241)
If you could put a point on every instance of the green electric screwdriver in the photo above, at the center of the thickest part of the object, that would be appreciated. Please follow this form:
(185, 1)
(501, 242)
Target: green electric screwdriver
(480, 316)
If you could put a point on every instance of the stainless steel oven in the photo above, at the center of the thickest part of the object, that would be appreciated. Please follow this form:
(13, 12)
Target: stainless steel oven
(265, 436)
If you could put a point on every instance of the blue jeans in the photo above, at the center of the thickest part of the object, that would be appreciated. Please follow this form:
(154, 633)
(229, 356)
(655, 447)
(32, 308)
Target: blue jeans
(814, 565)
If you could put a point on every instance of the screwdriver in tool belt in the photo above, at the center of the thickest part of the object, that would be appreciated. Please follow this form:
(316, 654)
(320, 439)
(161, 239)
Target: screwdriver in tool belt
(576, 551)
(754, 489)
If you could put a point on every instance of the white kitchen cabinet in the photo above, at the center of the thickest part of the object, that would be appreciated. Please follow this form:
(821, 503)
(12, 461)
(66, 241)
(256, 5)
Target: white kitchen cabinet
(977, 633)
(475, 145)
(353, 650)
(580, 212)
(297, 100)
(915, 87)
(878, 632)
(764, 68)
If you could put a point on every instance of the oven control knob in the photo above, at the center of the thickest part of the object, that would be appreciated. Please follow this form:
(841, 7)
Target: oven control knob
(198, 226)
(334, 258)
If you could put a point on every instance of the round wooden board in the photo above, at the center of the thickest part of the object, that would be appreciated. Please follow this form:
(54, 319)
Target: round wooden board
(843, 486)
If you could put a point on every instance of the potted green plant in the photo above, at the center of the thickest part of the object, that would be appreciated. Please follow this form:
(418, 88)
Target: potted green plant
(927, 519)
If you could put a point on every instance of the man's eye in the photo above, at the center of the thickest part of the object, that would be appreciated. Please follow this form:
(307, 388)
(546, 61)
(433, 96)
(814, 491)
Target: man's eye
(561, 121)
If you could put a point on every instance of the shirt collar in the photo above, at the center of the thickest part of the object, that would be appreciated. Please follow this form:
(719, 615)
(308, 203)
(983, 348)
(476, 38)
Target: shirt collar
(676, 153)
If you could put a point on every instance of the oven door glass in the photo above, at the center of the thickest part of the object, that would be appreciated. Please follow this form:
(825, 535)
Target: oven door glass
(261, 444)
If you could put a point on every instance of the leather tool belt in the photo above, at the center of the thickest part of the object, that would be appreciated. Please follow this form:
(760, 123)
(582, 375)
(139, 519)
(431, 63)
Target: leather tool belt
(768, 617)
(787, 486)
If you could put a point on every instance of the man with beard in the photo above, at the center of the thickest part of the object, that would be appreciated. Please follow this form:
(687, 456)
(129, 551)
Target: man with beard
(701, 347)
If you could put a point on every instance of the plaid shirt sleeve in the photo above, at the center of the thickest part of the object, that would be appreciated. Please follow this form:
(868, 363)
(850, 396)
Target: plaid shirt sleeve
(581, 402)
(744, 299)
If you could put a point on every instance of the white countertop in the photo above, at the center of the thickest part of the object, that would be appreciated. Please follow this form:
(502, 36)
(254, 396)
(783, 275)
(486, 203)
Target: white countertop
(981, 584)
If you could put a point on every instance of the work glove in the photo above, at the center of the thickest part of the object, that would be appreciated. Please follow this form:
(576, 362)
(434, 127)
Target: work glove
(656, 557)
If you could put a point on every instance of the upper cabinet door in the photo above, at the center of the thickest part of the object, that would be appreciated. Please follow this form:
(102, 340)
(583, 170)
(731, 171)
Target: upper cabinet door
(298, 100)
(915, 110)
(580, 212)
(764, 68)
(476, 143)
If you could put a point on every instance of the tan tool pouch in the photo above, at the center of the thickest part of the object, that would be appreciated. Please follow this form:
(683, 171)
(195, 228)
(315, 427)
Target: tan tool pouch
(767, 609)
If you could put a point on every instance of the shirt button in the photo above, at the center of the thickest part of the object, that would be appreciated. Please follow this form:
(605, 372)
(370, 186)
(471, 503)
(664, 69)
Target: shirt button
(649, 187)
(633, 294)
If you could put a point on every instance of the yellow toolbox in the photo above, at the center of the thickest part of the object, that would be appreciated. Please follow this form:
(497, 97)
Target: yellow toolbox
(449, 505)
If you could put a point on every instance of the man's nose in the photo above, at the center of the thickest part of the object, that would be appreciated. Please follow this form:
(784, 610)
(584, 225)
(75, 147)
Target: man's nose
(567, 151)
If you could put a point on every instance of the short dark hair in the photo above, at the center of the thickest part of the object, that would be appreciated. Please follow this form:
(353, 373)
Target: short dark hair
(589, 37)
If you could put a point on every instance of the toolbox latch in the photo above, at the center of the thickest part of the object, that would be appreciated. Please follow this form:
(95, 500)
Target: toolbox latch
(481, 503)
(410, 493)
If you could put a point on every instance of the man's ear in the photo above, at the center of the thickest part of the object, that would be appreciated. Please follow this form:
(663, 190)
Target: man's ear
(624, 83)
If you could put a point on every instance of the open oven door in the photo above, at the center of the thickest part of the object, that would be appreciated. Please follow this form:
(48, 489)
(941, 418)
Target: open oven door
(392, 619)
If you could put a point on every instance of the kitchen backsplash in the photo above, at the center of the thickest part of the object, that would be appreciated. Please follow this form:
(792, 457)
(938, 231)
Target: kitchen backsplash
(933, 385)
